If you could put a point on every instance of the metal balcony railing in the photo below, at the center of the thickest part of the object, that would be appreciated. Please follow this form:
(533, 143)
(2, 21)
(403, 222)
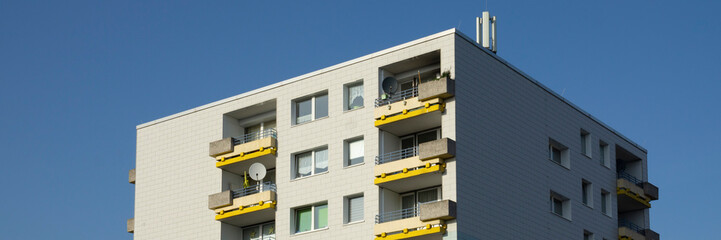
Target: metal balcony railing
(270, 132)
(630, 225)
(630, 178)
(266, 186)
(402, 95)
(397, 215)
(396, 155)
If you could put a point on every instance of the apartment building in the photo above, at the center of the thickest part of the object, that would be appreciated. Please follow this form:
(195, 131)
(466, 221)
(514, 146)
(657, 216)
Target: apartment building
(437, 138)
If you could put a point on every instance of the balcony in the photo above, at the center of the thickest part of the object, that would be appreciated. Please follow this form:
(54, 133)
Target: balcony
(413, 168)
(634, 194)
(131, 225)
(237, 153)
(413, 109)
(245, 206)
(627, 230)
(427, 221)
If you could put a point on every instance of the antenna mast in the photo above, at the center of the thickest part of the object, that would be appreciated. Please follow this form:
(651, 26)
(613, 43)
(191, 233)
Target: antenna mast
(486, 31)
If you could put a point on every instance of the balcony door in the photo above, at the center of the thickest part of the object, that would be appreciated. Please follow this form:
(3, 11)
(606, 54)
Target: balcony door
(413, 140)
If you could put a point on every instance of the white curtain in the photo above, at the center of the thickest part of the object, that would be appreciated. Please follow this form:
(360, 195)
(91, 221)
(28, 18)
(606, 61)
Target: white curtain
(321, 161)
(304, 162)
(355, 152)
(428, 196)
(355, 96)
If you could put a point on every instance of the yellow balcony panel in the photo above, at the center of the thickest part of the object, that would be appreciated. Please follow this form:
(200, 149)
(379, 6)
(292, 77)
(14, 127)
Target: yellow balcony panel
(414, 116)
(399, 165)
(432, 233)
(246, 210)
(407, 179)
(625, 233)
(240, 163)
(630, 196)
(409, 228)
(398, 107)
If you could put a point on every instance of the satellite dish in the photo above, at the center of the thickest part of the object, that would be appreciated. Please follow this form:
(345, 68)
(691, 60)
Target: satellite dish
(390, 85)
(257, 171)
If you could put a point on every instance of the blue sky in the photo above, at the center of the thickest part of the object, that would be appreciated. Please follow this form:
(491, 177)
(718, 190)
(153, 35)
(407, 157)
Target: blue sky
(78, 76)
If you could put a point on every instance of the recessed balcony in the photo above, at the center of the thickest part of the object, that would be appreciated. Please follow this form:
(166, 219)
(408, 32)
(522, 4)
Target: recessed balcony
(245, 206)
(236, 154)
(413, 109)
(413, 168)
(628, 230)
(427, 221)
(634, 194)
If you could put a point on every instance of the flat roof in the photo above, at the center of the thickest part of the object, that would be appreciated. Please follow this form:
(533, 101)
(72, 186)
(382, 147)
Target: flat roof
(383, 52)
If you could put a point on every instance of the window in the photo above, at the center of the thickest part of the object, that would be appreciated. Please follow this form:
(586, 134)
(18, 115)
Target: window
(311, 162)
(413, 140)
(605, 155)
(354, 96)
(259, 232)
(586, 191)
(605, 202)
(555, 154)
(354, 151)
(354, 209)
(308, 109)
(413, 199)
(558, 153)
(585, 143)
(587, 235)
(311, 218)
(560, 205)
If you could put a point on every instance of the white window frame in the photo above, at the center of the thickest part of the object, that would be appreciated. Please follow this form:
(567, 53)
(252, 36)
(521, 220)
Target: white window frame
(565, 158)
(313, 209)
(347, 151)
(587, 191)
(261, 228)
(414, 136)
(347, 209)
(565, 205)
(312, 107)
(605, 151)
(586, 147)
(346, 95)
(416, 203)
(312, 164)
(606, 202)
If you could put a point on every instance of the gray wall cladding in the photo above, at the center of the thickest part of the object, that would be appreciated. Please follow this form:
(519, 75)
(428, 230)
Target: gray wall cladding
(504, 176)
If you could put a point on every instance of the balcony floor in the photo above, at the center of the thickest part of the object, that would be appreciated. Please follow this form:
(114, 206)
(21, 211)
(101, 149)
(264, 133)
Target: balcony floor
(248, 216)
(413, 179)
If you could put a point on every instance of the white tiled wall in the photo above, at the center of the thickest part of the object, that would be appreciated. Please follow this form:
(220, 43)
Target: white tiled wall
(175, 174)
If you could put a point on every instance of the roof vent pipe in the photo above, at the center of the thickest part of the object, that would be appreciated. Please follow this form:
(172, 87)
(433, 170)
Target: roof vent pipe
(486, 31)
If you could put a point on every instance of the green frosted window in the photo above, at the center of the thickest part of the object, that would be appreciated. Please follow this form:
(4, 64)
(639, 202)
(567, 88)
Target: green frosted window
(303, 219)
(321, 216)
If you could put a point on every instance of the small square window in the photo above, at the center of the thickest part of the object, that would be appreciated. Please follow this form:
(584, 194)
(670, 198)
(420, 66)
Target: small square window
(558, 153)
(354, 96)
(311, 162)
(560, 205)
(587, 235)
(354, 209)
(355, 151)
